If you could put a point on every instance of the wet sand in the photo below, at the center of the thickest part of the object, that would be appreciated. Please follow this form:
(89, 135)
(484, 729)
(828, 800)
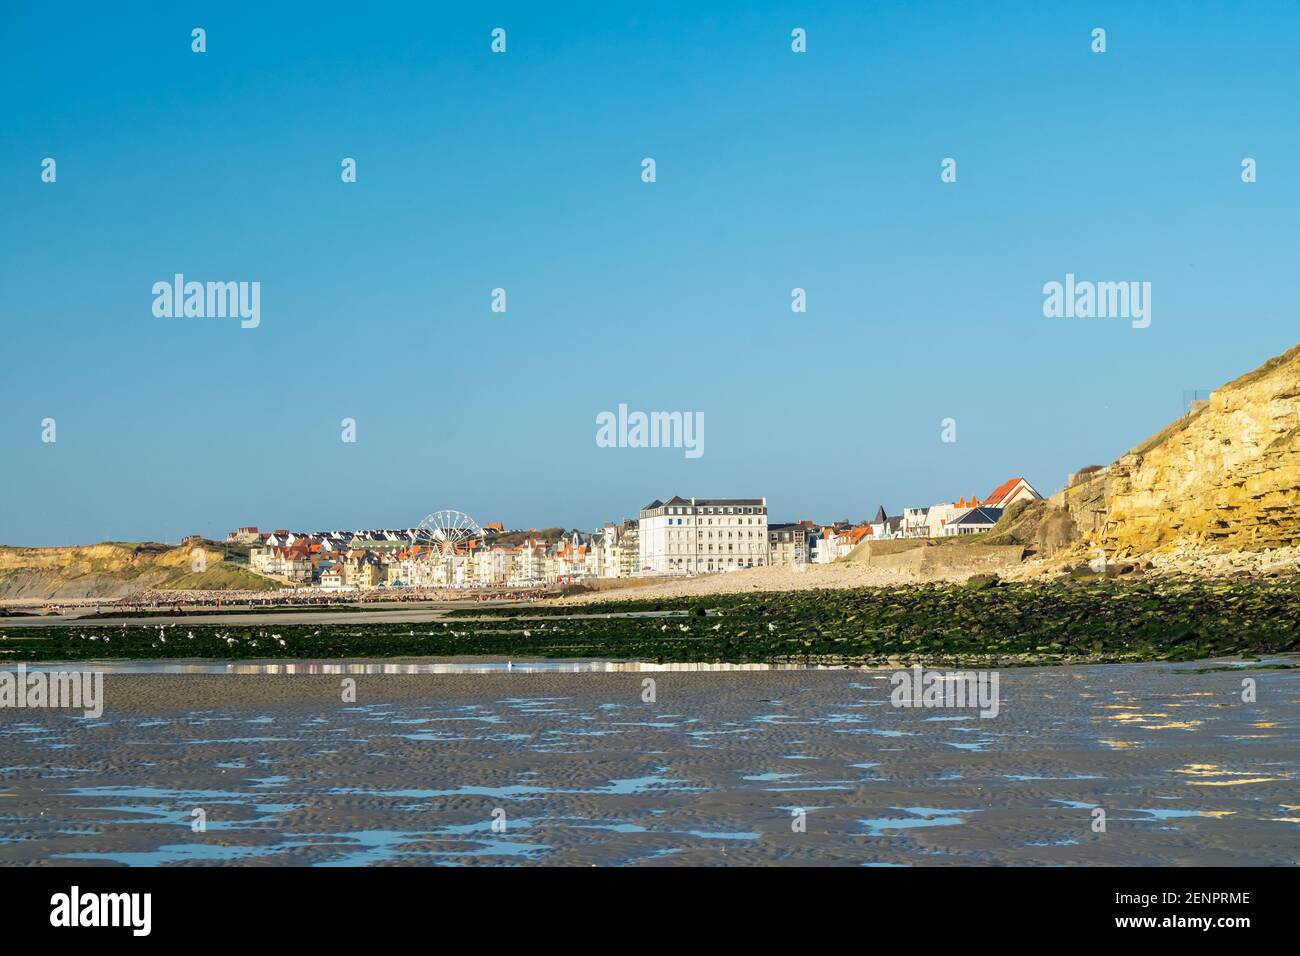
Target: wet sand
(575, 769)
(375, 614)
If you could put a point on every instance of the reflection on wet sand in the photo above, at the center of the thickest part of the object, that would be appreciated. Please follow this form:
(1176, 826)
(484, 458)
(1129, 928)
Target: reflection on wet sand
(426, 667)
(457, 767)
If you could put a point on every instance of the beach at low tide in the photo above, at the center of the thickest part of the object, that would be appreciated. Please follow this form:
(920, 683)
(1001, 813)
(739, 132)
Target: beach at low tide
(750, 767)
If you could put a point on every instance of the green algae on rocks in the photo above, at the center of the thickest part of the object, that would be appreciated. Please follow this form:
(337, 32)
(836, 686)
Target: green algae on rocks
(1002, 623)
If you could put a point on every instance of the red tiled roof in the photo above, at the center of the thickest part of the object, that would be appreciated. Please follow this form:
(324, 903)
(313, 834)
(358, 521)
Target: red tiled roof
(1002, 490)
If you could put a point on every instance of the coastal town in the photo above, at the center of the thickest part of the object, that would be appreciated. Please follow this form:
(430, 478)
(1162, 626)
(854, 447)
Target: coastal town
(673, 537)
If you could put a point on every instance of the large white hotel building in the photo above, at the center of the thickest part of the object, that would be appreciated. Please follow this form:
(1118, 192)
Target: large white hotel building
(698, 535)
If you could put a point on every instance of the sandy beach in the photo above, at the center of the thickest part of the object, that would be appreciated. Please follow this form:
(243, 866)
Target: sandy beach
(778, 578)
(577, 769)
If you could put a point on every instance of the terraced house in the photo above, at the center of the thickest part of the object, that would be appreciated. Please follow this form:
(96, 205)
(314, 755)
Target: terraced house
(290, 561)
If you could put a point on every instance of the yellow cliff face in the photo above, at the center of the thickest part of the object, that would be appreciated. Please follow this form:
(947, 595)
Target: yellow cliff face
(110, 558)
(118, 569)
(1226, 477)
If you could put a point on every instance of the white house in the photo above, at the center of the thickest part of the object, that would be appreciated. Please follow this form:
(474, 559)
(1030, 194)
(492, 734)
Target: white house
(973, 520)
(883, 526)
(836, 543)
(939, 516)
(916, 522)
(333, 578)
(1009, 492)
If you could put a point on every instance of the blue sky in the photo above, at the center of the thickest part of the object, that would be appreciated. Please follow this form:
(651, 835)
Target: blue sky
(522, 171)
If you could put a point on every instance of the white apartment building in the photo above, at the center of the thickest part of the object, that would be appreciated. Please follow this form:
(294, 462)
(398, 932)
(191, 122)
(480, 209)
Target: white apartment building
(528, 563)
(491, 566)
(700, 535)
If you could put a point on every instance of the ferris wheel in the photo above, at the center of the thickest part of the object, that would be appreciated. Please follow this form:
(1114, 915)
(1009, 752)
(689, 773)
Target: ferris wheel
(444, 531)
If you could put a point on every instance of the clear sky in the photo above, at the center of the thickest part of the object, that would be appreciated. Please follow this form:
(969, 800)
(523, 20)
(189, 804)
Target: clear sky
(522, 171)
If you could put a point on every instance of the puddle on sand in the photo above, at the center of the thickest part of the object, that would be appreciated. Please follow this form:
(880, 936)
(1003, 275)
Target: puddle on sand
(660, 854)
(1172, 814)
(1076, 804)
(377, 846)
(153, 815)
(629, 786)
(162, 793)
(363, 847)
(722, 834)
(515, 791)
(920, 817)
(177, 853)
(613, 827)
